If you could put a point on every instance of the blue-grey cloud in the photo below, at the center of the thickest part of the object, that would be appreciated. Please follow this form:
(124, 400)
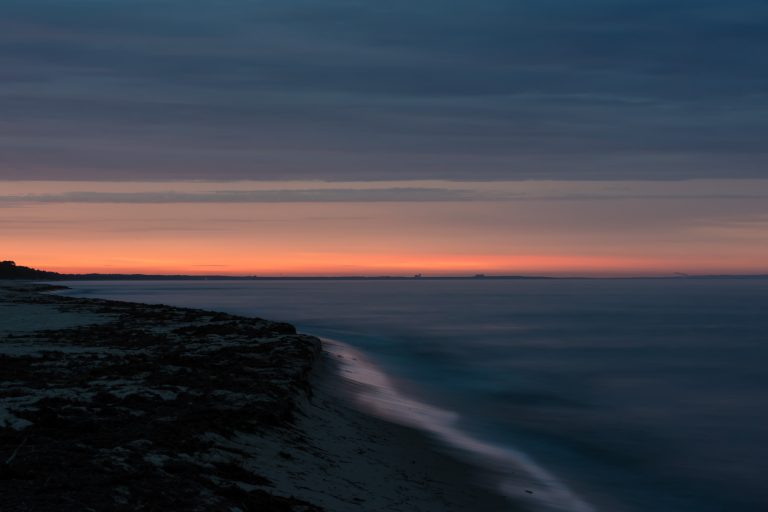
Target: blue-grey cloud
(352, 89)
(399, 194)
(758, 191)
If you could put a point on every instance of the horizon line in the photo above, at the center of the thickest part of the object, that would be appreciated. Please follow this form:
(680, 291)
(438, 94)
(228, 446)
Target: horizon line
(401, 277)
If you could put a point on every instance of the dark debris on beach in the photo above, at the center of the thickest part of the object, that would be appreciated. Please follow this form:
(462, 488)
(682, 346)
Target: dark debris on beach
(127, 414)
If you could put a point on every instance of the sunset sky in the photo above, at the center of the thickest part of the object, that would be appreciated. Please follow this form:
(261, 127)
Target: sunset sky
(338, 137)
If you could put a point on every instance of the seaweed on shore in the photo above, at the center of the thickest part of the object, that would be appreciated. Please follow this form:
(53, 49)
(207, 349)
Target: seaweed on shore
(124, 415)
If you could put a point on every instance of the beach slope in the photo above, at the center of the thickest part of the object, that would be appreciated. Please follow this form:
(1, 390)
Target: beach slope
(110, 405)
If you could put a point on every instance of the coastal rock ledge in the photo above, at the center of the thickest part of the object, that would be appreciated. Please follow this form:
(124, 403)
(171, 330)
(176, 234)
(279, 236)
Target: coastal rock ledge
(142, 407)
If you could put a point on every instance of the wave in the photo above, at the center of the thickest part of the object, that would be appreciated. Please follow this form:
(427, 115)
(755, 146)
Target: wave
(519, 477)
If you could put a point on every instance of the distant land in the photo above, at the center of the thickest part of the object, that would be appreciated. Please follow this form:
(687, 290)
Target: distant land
(10, 270)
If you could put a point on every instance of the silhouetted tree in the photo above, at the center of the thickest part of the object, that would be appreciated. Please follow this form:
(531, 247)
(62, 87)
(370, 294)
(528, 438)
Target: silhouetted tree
(10, 270)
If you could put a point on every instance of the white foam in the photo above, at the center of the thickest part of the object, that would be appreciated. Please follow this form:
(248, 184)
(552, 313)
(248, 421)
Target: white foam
(522, 477)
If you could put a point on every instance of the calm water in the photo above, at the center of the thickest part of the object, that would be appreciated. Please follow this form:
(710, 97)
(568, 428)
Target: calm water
(632, 395)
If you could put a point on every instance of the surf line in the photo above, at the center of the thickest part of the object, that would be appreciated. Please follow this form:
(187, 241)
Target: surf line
(523, 478)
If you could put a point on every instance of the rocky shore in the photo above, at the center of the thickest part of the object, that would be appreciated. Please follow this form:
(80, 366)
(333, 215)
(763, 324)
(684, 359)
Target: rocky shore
(114, 406)
(128, 413)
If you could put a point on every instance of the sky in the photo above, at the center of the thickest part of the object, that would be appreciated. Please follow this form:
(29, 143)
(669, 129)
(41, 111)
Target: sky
(295, 137)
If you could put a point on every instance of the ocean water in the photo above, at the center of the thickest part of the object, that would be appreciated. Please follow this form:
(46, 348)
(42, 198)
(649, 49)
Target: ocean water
(581, 395)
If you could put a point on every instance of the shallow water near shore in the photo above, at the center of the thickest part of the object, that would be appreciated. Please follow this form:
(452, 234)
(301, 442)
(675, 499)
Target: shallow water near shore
(605, 395)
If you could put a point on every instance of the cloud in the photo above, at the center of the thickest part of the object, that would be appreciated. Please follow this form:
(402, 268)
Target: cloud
(253, 196)
(38, 193)
(344, 90)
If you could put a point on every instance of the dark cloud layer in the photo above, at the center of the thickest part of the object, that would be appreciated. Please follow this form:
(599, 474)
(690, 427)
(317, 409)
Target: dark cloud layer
(351, 89)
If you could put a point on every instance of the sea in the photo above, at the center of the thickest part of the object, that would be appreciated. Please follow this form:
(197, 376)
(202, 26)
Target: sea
(569, 395)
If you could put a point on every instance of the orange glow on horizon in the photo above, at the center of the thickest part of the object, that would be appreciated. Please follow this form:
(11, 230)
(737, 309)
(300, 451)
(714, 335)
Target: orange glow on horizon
(341, 264)
(547, 236)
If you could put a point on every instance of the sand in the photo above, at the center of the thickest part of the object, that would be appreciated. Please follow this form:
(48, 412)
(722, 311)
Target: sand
(116, 406)
(353, 461)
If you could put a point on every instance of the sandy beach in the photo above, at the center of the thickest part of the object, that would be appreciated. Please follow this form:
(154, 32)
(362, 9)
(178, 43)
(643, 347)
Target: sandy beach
(110, 405)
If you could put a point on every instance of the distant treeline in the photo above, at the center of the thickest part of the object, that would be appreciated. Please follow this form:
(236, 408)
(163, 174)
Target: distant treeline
(10, 270)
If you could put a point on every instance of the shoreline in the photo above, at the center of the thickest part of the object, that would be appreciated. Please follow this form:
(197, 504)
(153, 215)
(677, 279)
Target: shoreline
(295, 443)
(508, 472)
(401, 468)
